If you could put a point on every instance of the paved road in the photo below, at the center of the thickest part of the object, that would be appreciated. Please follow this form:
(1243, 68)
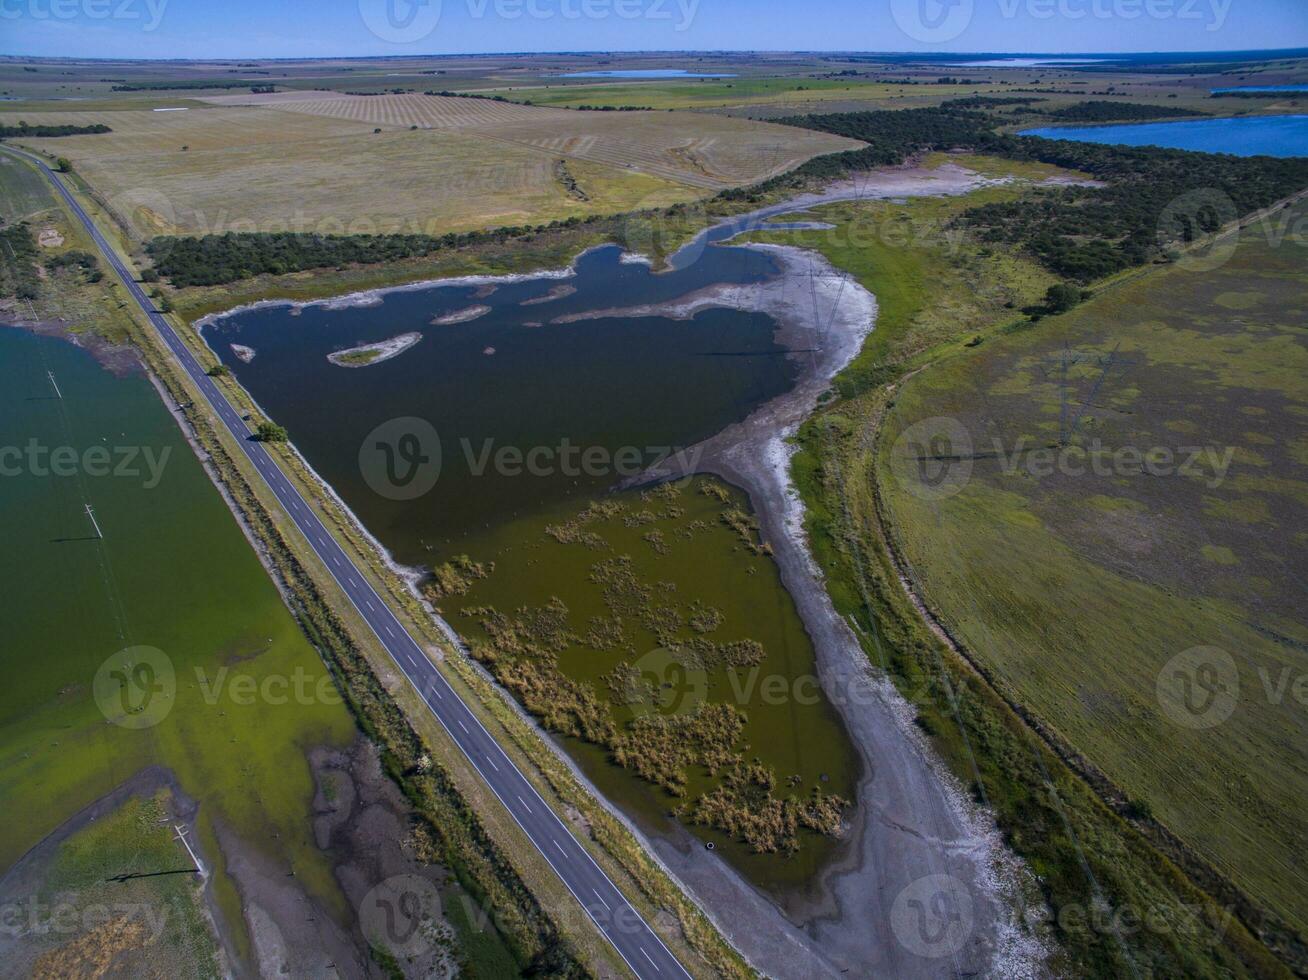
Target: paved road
(630, 935)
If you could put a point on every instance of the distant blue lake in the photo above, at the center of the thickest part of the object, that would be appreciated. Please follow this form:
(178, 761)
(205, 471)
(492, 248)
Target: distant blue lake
(1261, 88)
(1274, 136)
(647, 73)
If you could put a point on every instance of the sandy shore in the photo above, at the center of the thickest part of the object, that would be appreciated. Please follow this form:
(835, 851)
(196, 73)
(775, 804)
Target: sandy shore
(911, 819)
(384, 349)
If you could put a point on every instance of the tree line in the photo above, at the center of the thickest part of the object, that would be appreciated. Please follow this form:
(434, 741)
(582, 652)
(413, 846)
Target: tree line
(215, 259)
(1081, 233)
(24, 130)
(1106, 111)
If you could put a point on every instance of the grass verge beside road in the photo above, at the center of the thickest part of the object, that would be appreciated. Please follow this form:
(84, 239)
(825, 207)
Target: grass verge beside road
(466, 827)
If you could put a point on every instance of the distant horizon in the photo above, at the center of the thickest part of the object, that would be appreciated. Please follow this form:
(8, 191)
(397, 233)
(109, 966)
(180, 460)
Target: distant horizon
(170, 30)
(1296, 52)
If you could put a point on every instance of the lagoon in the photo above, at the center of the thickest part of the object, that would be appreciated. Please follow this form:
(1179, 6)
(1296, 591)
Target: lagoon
(530, 405)
(1260, 88)
(647, 73)
(1276, 136)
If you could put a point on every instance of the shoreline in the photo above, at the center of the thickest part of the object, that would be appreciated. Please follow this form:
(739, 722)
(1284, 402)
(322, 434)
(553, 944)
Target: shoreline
(911, 818)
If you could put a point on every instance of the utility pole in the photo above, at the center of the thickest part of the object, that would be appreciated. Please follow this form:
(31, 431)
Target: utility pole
(180, 831)
(94, 523)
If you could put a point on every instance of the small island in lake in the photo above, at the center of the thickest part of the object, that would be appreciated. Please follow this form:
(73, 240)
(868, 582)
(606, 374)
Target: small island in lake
(460, 316)
(369, 354)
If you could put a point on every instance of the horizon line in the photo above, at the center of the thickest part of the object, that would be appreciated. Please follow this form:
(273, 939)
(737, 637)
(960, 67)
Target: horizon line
(1103, 55)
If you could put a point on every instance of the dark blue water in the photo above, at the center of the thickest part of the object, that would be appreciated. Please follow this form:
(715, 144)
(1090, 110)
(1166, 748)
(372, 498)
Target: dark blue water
(646, 73)
(1246, 136)
(639, 382)
(1261, 88)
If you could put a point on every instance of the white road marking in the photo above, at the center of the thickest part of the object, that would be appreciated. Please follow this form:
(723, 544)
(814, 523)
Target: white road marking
(523, 802)
(651, 961)
(602, 902)
(463, 726)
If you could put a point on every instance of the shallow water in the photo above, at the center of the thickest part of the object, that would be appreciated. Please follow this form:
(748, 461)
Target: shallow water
(1245, 136)
(557, 412)
(598, 385)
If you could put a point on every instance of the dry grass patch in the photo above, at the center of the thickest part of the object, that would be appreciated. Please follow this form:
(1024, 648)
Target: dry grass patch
(704, 151)
(241, 168)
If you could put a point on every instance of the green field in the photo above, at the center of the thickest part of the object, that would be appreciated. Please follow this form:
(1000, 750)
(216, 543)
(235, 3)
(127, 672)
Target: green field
(715, 93)
(172, 572)
(945, 302)
(673, 628)
(1078, 590)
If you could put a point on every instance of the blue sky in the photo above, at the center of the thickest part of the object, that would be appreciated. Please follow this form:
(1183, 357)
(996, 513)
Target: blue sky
(291, 28)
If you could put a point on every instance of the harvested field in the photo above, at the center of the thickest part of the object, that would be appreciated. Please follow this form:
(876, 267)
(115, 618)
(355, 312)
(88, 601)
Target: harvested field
(694, 149)
(302, 164)
(1148, 605)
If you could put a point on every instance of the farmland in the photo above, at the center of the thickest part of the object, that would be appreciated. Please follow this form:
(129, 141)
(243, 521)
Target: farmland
(1122, 570)
(434, 164)
(1036, 569)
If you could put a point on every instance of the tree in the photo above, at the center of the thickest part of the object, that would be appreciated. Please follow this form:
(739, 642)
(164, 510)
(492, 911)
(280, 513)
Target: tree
(219, 371)
(64, 165)
(270, 432)
(1061, 297)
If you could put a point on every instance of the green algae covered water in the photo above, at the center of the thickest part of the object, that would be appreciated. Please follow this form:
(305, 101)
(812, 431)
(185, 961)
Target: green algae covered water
(650, 633)
(173, 573)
